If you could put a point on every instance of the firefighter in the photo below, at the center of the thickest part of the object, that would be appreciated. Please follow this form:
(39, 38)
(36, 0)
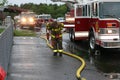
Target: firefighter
(55, 29)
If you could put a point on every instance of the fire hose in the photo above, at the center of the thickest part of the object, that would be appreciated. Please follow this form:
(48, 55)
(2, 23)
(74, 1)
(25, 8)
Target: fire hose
(80, 69)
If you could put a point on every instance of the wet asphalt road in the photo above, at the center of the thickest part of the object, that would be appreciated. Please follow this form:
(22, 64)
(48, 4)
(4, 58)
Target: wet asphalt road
(91, 72)
(107, 63)
(32, 59)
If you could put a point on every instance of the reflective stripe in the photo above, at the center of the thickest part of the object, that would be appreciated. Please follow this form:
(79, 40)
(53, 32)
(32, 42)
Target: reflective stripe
(54, 50)
(81, 34)
(57, 50)
(56, 29)
(56, 36)
(60, 50)
(60, 35)
(53, 36)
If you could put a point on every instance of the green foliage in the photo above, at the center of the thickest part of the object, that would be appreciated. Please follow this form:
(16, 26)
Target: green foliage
(1, 30)
(24, 33)
(53, 9)
(3, 2)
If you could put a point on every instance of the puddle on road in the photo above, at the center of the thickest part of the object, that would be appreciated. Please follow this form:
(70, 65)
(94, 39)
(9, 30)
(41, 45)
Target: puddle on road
(108, 62)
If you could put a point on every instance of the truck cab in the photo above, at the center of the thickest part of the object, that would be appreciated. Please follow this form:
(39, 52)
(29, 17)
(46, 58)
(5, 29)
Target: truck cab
(27, 19)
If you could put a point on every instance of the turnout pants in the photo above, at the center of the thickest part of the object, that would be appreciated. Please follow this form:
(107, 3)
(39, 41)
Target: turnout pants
(57, 45)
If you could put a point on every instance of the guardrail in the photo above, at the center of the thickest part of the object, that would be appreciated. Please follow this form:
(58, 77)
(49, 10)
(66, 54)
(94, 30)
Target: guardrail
(6, 41)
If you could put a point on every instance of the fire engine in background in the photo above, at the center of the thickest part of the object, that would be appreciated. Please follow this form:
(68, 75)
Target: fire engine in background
(42, 19)
(97, 21)
(69, 17)
(69, 20)
(27, 19)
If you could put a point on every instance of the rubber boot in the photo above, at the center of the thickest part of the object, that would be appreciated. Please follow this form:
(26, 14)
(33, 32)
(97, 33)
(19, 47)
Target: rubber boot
(60, 54)
(55, 54)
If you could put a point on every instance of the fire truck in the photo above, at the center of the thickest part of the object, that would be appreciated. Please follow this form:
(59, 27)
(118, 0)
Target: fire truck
(98, 22)
(43, 18)
(27, 19)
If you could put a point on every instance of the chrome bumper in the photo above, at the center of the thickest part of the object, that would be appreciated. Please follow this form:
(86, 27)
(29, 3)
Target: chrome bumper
(110, 43)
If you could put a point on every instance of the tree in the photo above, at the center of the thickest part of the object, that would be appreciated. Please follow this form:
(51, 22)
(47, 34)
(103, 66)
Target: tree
(53, 9)
(3, 2)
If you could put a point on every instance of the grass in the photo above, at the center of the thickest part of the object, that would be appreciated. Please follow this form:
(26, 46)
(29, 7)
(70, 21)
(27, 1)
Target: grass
(24, 33)
(1, 30)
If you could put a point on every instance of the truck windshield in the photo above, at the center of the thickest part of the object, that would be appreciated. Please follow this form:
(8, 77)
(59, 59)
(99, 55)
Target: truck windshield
(109, 10)
(46, 17)
(27, 14)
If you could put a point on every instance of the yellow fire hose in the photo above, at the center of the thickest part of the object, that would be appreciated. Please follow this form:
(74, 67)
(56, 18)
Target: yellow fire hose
(79, 70)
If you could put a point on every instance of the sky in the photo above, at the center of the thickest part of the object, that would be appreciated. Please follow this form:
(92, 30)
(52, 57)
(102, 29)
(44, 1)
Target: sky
(18, 2)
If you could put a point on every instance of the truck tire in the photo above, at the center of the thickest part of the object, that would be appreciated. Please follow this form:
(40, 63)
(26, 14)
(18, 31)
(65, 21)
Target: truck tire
(94, 49)
(71, 34)
(92, 44)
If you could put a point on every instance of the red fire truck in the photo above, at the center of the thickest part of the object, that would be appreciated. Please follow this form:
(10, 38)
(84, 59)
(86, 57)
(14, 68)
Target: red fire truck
(97, 21)
(69, 20)
(43, 18)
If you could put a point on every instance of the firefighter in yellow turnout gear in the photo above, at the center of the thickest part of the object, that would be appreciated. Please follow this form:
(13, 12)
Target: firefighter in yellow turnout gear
(55, 29)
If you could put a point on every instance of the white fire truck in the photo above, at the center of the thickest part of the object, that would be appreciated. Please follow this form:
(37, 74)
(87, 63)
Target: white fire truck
(97, 21)
(43, 18)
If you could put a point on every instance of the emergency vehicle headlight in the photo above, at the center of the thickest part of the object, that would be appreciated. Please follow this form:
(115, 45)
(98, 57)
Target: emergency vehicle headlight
(31, 19)
(23, 20)
(109, 31)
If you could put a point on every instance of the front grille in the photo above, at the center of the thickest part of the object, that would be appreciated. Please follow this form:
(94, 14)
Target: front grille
(112, 44)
